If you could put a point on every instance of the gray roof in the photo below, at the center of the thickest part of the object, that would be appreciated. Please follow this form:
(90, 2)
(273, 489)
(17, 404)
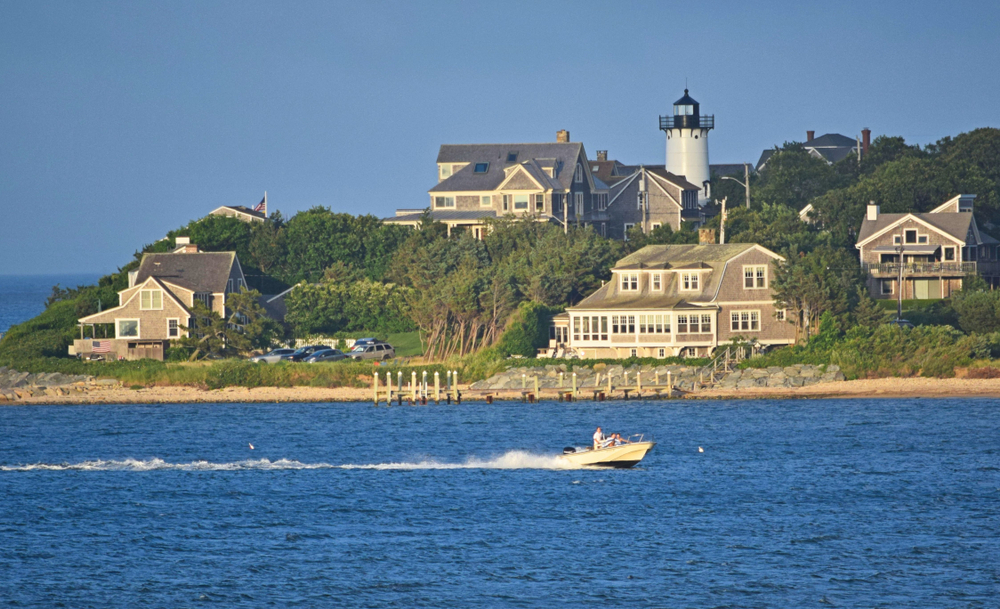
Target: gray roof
(765, 156)
(200, 272)
(833, 155)
(442, 216)
(831, 140)
(562, 156)
(726, 169)
(954, 224)
(246, 210)
(711, 257)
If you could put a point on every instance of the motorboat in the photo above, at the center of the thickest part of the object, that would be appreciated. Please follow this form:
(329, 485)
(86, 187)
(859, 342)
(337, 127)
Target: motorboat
(626, 454)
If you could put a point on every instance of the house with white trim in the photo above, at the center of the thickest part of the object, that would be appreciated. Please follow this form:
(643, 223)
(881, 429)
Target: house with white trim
(933, 251)
(677, 300)
(156, 305)
(651, 197)
(547, 181)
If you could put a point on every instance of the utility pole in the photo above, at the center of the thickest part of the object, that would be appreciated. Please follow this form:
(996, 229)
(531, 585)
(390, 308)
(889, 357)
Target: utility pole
(746, 182)
(566, 214)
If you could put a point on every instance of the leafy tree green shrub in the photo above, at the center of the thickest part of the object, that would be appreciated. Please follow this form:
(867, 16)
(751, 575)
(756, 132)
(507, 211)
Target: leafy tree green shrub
(527, 331)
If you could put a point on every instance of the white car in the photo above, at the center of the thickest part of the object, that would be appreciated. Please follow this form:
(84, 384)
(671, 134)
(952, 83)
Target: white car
(273, 357)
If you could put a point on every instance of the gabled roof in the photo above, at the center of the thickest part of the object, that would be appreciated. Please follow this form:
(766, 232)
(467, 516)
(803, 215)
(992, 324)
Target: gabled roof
(199, 272)
(241, 209)
(678, 255)
(833, 155)
(956, 225)
(561, 156)
(764, 158)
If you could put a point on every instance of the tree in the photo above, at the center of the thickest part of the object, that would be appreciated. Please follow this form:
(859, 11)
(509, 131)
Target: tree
(810, 284)
(978, 307)
(245, 328)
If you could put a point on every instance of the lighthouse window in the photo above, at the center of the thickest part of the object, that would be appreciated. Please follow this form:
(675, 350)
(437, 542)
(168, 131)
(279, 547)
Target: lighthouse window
(683, 110)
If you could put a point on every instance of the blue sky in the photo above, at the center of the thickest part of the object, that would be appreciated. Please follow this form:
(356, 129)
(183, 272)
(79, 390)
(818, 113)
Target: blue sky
(123, 120)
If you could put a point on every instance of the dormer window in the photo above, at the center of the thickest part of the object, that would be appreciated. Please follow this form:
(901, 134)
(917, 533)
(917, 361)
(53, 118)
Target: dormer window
(511, 157)
(445, 171)
(482, 167)
(630, 282)
(657, 282)
(689, 282)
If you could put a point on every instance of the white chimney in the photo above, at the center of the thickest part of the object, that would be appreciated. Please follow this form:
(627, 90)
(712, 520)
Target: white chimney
(873, 211)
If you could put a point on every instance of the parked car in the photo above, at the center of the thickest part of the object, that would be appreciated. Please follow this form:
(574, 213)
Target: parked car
(273, 357)
(377, 351)
(303, 352)
(326, 355)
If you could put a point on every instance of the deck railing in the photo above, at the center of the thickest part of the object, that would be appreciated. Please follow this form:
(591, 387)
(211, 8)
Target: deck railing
(919, 268)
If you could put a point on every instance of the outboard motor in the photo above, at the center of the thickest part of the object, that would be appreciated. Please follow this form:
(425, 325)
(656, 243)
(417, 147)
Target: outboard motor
(569, 450)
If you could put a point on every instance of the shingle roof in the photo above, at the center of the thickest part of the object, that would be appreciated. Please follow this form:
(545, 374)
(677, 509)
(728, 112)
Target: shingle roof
(443, 216)
(834, 155)
(764, 157)
(675, 255)
(563, 156)
(954, 224)
(831, 140)
(246, 210)
(200, 272)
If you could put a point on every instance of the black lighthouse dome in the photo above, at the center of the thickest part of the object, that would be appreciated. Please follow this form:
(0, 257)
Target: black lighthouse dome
(686, 111)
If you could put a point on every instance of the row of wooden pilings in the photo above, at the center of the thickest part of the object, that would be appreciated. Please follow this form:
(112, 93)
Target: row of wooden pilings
(420, 392)
(416, 392)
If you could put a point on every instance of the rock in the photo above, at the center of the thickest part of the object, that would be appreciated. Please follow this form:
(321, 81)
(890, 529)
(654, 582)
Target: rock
(833, 368)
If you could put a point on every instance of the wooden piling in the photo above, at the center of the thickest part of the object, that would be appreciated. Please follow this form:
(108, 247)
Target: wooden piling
(536, 384)
(375, 388)
(437, 387)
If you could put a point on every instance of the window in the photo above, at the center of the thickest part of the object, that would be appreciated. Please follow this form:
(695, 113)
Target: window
(595, 168)
(482, 167)
(661, 353)
(921, 238)
(602, 201)
(886, 286)
(949, 254)
(604, 328)
(683, 110)
(152, 300)
(706, 324)
(444, 202)
(485, 201)
(755, 277)
(205, 298)
(634, 352)
(745, 321)
(657, 281)
(173, 328)
(445, 171)
(579, 203)
(520, 202)
(614, 324)
(689, 282)
(682, 324)
(539, 202)
(586, 328)
(229, 285)
(630, 282)
(910, 236)
(631, 324)
(578, 174)
(506, 202)
(511, 157)
(779, 315)
(128, 328)
(576, 328)
(628, 227)
(656, 225)
(895, 239)
(556, 203)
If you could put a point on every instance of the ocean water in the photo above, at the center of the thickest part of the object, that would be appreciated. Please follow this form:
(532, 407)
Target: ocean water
(23, 296)
(822, 503)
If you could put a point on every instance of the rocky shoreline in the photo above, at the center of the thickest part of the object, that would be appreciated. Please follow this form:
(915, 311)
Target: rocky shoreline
(16, 385)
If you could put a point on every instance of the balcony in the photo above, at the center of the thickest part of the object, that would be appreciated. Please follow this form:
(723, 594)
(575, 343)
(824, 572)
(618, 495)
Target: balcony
(933, 269)
(686, 122)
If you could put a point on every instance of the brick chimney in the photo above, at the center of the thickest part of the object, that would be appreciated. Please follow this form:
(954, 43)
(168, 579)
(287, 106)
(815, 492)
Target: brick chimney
(810, 136)
(866, 140)
(562, 136)
(602, 155)
(706, 236)
(873, 211)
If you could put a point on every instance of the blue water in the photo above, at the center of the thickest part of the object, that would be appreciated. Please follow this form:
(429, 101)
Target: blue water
(23, 296)
(821, 503)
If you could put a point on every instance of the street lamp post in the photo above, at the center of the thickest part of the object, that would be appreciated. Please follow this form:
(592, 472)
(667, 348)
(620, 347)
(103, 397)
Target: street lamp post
(745, 184)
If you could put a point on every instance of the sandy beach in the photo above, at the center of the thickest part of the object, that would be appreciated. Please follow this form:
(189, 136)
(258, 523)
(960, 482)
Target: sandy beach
(915, 387)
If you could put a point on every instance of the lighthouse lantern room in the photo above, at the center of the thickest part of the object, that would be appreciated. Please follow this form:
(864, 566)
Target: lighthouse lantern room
(687, 143)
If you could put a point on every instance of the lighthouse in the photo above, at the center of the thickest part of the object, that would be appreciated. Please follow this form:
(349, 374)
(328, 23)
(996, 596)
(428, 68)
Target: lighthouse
(687, 143)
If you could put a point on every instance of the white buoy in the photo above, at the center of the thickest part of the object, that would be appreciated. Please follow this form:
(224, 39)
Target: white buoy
(251, 446)
(701, 450)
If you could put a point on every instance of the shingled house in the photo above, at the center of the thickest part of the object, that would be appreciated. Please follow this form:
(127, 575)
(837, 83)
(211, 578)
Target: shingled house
(649, 198)
(158, 301)
(550, 181)
(938, 250)
(670, 300)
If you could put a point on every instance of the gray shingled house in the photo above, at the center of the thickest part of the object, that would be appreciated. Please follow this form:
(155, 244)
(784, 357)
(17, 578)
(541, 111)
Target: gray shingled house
(938, 250)
(158, 302)
(651, 197)
(670, 300)
(548, 181)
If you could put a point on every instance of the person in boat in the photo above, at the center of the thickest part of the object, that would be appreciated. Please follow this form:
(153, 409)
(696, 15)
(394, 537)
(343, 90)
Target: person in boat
(598, 439)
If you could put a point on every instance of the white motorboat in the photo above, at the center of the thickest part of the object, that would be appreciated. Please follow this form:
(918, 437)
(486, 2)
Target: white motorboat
(626, 454)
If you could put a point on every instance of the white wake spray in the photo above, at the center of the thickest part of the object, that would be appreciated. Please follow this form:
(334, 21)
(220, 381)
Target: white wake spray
(514, 459)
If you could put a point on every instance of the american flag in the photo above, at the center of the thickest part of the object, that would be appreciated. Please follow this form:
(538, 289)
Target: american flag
(101, 346)
(262, 206)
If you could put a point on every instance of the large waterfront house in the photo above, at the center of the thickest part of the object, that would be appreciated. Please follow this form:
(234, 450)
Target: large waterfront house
(677, 300)
(549, 181)
(938, 250)
(157, 303)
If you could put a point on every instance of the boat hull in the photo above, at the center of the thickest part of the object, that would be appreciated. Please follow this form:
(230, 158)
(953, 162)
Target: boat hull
(625, 455)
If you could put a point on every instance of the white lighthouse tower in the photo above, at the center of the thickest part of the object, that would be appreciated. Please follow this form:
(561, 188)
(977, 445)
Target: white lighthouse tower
(687, 143)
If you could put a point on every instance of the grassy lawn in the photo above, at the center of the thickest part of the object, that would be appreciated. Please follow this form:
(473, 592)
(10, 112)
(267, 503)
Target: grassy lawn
(908, 305)
(407, 344)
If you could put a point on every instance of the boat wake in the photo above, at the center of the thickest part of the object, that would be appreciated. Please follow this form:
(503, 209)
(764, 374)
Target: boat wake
(514, 459)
